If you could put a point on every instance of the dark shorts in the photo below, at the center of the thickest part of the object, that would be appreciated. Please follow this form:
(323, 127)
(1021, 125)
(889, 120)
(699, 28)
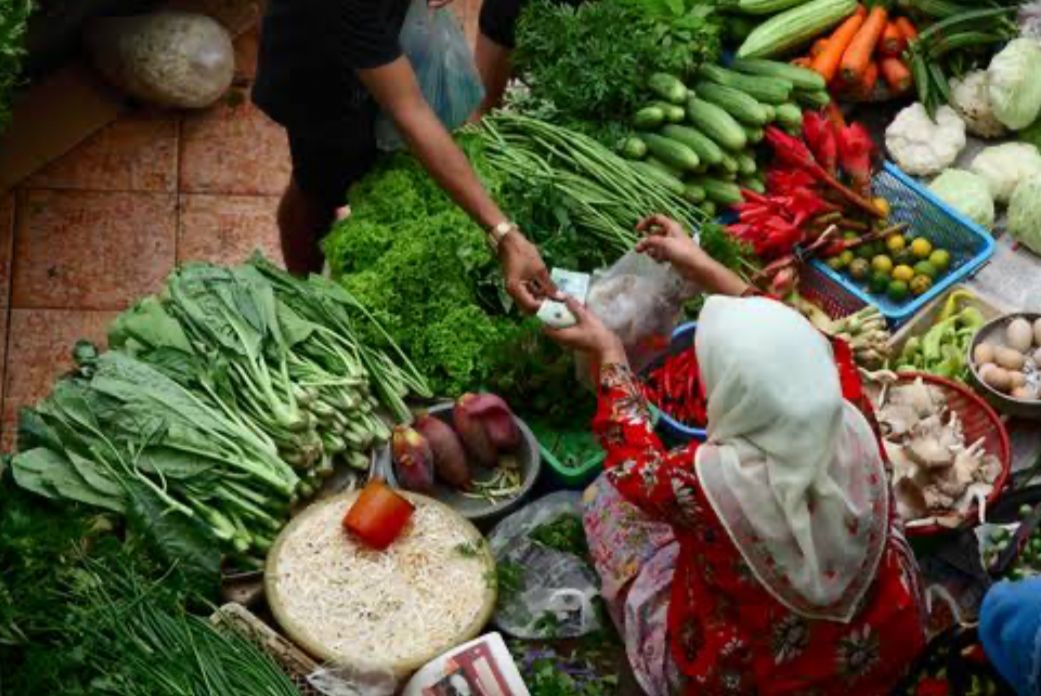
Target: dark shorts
(325, 166)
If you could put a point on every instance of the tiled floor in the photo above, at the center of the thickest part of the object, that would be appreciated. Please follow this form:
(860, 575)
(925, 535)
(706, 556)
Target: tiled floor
(88, 234)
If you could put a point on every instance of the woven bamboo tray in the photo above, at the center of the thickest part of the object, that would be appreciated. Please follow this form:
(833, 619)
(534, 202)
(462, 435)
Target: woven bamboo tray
(294, 662)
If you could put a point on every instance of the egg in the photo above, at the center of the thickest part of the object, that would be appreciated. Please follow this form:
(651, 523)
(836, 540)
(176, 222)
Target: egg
(983, 353)
(1016, 379)
(995, 377)
(1037, 331)
(1019, 335)
(1023, 393)
(1009, 358)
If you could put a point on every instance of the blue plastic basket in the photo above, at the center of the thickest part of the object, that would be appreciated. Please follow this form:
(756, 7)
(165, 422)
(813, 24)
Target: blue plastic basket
(670, 429)
(969, 244)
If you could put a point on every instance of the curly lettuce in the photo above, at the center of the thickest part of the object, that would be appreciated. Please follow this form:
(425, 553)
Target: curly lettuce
(14, 19)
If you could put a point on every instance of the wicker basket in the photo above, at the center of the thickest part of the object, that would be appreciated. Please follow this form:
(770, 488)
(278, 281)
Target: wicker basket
(978, 420)
(291, 659)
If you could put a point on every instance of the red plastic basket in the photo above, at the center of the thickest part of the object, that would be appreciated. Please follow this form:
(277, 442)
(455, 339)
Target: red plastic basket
(978, 420)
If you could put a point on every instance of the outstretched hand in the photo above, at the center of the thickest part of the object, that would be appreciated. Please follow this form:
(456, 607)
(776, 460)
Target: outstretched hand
(527, 279)
(665, 240)
(588, 335)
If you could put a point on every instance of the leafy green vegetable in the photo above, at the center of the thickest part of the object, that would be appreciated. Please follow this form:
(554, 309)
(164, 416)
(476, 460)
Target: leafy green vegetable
(14, 16)
(565, 533)
(424, 270)
(572, 56)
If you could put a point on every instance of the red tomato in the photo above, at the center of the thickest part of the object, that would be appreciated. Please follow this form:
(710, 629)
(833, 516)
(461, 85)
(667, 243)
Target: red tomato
(378, 515)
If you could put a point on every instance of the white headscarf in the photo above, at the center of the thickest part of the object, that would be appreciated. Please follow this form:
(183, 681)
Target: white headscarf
(791, 469)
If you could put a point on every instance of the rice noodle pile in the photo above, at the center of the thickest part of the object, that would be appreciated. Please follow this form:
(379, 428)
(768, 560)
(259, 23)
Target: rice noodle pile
(380, 608)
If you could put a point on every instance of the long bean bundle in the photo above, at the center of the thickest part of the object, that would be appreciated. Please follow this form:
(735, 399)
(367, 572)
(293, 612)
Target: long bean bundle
(606, 193)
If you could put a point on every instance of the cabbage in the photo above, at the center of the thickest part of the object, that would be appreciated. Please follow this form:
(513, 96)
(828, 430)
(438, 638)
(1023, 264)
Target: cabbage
(1004, 166)
(966, 193)
(1014, 83)
(1024, 214)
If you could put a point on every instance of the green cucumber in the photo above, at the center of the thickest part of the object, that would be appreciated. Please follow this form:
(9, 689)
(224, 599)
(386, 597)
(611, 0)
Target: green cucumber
(789, 116)
(728, 165)
(648, 118)
(755, 135)
(720, 192)
(671, 152)
(801, 78)
(753, 185)
(735, 102)
(708, 207)
(693, 193)
(811, 99)
(668, 87)
(708, 152)
(763, 89)
(634, 148)
(716, 124)
(746, 165)
(673, 113)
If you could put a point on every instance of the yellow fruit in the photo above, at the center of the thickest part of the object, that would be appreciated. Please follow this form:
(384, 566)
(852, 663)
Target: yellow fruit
(882, 204)
(895, 242)
(940, 259)
(920, 284)
(903, 273)
(882, 264)
(846, 257)
(921, 247)
(926, 269)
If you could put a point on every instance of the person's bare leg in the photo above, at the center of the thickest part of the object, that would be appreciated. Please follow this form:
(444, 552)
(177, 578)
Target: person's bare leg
(302, 222)
(493, 64)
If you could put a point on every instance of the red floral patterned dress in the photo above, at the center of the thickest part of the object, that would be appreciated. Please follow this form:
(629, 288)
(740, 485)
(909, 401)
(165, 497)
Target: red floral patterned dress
(728, 635)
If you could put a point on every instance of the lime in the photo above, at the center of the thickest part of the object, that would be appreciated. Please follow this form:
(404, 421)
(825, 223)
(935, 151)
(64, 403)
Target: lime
(878, 247)
(897, 291)
(940, 259)
(921, 247)
(850, 234)
(863, 251)
(846, 257)
(859, 269)
(920, 284)
(896, 242)
(924, 268)
(835, 263)
(882, 264)
(903, 273)
(879, 283)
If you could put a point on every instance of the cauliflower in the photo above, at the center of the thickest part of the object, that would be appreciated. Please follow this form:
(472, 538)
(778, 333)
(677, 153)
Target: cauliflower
(970, 99)
(924, 147)
(1004, 166)
(967, 193)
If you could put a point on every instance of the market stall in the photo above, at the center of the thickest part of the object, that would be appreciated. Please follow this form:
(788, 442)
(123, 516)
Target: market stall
(380, 470)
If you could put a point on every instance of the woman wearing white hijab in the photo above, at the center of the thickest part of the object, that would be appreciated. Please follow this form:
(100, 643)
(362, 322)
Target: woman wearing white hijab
(766, 560)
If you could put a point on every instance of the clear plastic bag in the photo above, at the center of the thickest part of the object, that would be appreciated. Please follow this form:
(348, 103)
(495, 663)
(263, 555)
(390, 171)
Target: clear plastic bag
(641, 300)
(435, 45)
(334, 680)
(555, 590)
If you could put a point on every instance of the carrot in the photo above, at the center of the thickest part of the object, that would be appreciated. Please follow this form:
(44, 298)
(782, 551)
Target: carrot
(868, 80)
(893, 41)
(827, 62)
(802, 61)
(896, 74)
(818, 47)
(907, 29)
(858, 54)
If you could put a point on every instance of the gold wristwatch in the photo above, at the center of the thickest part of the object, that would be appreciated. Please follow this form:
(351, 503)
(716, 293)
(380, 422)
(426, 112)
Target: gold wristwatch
(497, 233)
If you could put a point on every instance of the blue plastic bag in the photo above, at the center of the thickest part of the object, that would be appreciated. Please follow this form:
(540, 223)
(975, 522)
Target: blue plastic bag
(435, 45)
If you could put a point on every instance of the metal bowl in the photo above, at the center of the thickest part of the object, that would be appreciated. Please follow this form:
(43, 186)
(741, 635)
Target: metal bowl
(528, 459)
(994, 330)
